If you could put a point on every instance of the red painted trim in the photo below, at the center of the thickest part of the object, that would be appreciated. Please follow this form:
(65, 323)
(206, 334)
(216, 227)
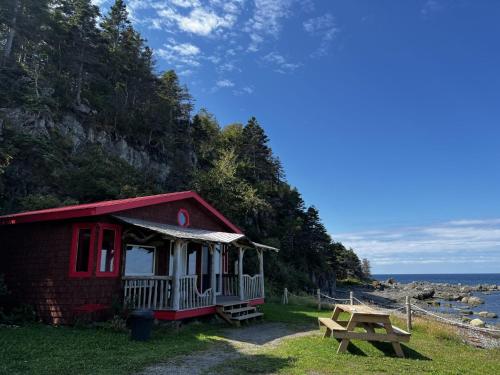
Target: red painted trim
(117, 248)
(90, 308)
(184, 314)
(108, 207)
(74, 250)
(186, 215)
(257, 301)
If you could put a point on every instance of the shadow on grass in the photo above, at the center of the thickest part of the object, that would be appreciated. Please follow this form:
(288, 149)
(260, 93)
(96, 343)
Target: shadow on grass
(388, 350)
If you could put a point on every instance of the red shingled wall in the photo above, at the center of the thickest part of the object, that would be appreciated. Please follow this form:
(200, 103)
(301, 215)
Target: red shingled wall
(35, 261)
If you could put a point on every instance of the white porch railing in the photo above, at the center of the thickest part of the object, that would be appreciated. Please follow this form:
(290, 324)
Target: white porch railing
(190, 297)
(230, 285)
(148, 292)
(252, 286)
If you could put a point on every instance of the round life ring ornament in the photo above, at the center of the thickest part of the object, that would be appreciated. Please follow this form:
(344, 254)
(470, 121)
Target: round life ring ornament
(183, 218)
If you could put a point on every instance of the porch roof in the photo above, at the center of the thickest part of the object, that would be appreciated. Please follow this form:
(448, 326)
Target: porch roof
(174, 231)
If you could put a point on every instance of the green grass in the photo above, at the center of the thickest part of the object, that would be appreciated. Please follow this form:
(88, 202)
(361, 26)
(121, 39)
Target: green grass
(433, 349)
(40, 349)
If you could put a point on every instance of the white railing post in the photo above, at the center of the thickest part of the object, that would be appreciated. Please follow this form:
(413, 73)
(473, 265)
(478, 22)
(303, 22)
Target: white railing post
(221, 269)
(351, 298)
(260, 254)
(240, 274)
(178, 246)
(213, 279)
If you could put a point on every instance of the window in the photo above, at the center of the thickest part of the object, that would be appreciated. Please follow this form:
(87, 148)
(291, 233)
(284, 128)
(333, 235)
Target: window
(140, 260)
(108, 251)
(82, 250)
(183, 218)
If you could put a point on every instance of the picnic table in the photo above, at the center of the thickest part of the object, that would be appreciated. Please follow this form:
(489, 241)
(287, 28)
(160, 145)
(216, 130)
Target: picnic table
(369, 319)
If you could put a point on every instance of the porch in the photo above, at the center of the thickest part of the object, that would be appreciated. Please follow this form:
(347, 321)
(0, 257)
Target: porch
(202, 270)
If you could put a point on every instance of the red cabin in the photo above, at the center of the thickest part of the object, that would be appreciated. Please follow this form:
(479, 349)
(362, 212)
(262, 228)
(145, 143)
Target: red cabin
(172, 253)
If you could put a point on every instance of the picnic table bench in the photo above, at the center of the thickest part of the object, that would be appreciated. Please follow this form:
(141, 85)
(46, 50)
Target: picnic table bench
(367, 318)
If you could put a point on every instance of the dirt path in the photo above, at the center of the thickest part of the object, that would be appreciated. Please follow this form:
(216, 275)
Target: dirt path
(235, 343)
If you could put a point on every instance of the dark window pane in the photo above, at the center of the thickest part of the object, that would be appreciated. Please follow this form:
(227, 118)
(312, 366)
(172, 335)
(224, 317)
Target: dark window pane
(107, 251)
(83, 250)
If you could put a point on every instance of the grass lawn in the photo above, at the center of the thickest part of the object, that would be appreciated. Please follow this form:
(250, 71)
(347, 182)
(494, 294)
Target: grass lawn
(40, 349)
(433, 349)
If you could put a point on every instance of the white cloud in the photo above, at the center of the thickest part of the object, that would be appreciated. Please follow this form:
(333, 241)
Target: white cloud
(279, 63)
(180, 54)
(196, 17)
(430, 7)
(325, 28)
(454, 242)
(266, 20)
(224, 83)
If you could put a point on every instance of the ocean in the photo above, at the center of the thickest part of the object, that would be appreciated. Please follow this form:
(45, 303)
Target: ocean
(491, 300)
(450, 278)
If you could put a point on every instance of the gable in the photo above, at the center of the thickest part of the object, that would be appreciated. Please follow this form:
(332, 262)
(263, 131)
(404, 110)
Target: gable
(166, 213)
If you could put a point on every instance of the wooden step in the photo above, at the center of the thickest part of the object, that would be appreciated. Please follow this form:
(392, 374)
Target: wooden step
(241, 309)
(248, 316)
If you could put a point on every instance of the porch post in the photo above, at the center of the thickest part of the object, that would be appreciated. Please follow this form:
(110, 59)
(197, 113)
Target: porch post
(240, 273)
(212, 274)
(260, 254)
(178, 245)
(221, 267)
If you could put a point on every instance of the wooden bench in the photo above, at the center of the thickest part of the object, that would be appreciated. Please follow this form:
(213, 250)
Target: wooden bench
(331, 326)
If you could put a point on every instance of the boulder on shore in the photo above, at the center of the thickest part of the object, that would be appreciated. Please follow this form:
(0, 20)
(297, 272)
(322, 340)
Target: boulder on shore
(475, 301)
(425, 294)
(486, 314)
(477, 323)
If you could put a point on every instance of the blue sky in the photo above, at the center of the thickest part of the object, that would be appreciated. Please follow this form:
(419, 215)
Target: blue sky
(385, 114)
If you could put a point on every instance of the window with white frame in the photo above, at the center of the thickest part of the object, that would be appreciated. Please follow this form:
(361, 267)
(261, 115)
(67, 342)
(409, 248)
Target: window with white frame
(140, 260)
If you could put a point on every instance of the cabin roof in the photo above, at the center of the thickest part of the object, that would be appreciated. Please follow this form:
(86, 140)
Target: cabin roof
(110, 207)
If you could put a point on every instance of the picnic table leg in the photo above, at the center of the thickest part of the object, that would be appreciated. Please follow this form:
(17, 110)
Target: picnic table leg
(396, 345)
(343, 346)
(397, 348)
(328, 333)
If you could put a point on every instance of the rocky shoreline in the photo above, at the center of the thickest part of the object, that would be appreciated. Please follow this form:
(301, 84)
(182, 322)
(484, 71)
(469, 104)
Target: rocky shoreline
(463, 302)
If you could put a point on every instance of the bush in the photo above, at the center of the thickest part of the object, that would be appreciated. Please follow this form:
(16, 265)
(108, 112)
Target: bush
(21, 314)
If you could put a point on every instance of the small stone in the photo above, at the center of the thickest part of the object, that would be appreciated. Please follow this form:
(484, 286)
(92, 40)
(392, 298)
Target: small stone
(486, 314)
(466, 319)
(477, 323)
(466, 312)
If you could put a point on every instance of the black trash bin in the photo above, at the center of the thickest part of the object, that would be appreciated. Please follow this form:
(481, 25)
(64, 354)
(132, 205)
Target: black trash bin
(141, 323)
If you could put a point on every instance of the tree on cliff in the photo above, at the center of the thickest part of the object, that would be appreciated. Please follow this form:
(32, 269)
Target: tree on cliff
(57, 62)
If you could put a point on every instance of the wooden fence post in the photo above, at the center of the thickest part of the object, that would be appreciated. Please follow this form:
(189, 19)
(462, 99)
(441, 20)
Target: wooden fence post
(408, 314)
(285, 297)
(351, 298)
(319, 299)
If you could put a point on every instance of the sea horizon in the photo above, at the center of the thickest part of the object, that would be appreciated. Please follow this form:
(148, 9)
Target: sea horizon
(450, 278)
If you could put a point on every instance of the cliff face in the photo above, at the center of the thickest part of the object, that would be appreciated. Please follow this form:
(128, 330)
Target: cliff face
(80, 135)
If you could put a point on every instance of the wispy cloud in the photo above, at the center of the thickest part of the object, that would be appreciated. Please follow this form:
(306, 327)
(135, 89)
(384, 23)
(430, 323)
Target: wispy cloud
(454, 242)
(430, 7)
(224, 83)
(266, 21)
(207, 18)
(323, 27)
(180, 54)
(279, 63)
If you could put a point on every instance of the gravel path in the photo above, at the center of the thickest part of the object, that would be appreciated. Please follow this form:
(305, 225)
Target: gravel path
(234, 344)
